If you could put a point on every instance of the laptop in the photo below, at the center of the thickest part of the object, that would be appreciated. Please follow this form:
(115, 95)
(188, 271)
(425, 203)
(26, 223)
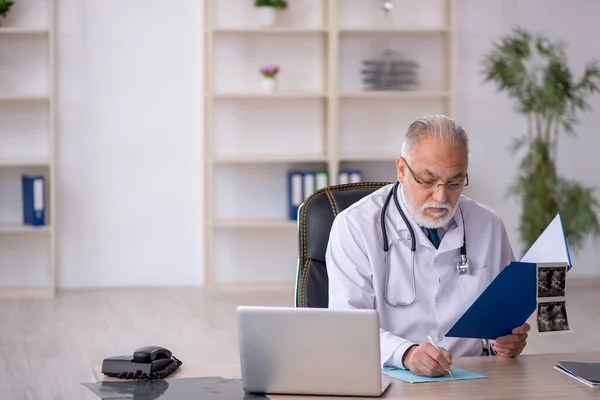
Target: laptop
(313, 351)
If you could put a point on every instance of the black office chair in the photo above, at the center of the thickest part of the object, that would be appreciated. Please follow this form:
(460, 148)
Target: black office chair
(315, 218)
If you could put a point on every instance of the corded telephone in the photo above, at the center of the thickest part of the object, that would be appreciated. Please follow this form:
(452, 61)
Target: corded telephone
(150, 362)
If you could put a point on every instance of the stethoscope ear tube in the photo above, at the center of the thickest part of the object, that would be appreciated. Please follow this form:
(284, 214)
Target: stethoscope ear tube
(393, 193)
(383, 230)
(413, 240)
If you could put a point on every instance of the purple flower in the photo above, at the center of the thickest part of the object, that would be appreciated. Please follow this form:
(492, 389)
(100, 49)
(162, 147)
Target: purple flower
(269, 70)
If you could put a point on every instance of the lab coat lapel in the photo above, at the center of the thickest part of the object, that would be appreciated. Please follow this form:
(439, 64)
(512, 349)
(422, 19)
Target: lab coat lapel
(453, 239)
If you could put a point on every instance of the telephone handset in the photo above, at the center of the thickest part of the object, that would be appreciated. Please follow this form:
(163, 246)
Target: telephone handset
(149, 362)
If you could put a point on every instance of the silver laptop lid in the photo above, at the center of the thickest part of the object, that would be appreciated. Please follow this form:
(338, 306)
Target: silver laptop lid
(309, 351)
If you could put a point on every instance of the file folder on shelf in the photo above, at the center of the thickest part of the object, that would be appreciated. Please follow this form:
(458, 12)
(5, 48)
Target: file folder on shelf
(302, 184)
(33, 200)
(511, 298)
(355, 176)
(349, 176)
(343, 177)
(321, 179)
(309, 184)
(295, 193)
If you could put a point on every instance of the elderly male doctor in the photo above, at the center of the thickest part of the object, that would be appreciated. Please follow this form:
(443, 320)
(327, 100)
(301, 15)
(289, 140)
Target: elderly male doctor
(432, 172)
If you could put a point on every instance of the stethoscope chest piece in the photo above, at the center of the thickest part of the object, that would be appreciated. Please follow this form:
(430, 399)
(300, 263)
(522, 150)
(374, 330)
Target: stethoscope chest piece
(464, 266)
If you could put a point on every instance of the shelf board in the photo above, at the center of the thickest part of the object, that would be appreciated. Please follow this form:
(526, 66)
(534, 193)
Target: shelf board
(252, 287)
(21, 228)
(398, 94)
(25, 162)
(22, 98)
(23, 31)
(273, 30)
(43, 292)
(275, 95)
(255, 223)
(368, 157)
(268, 158)
(403, 31)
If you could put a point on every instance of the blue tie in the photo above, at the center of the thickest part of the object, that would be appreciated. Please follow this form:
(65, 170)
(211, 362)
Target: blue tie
(433, 236)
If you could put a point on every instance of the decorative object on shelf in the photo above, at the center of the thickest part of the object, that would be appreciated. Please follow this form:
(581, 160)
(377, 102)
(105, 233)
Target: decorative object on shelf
(5, 6)
(387, 7)
(269, 73)
(390, 72)
(534, 71)
(268, 10)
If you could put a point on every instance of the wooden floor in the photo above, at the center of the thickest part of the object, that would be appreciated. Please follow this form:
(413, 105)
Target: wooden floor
(48, 346)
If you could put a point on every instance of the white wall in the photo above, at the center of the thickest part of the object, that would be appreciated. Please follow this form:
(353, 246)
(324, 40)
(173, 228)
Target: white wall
(130, 142)
(489, 116)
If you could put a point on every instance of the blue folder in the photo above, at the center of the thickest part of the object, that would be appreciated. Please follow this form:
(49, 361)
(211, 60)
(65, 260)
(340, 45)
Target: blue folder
(508, 301)
(511, 298)
(295, 193)
(33, 200)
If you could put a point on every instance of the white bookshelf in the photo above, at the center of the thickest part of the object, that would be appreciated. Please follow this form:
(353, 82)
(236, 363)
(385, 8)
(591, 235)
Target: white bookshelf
(320, 117)
(23, 98)
(255, 224)
(27, 146)
(25, 162)
(270, 31)
(404, 31)
(268, 158)
(413, 94)
(23, 31)
(20, 228)
(279, 95)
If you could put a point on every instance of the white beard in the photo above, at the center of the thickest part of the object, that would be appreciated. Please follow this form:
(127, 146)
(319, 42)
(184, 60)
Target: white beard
(419, 216)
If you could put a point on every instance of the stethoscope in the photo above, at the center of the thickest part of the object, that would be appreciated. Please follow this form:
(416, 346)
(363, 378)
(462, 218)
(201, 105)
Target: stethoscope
(463, 266)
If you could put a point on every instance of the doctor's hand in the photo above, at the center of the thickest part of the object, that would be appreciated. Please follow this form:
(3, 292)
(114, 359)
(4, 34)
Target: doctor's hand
(426, 360)
(512, 345)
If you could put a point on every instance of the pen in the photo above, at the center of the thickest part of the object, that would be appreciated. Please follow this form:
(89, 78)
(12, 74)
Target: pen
(438, 348)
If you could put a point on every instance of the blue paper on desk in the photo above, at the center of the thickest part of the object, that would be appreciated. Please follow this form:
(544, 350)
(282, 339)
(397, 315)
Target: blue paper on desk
(511, 298)
(407, 376)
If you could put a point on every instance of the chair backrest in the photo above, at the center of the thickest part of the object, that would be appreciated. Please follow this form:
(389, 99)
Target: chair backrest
(315, 218)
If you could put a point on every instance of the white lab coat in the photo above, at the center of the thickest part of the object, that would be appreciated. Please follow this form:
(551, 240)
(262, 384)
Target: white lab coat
(356, 269)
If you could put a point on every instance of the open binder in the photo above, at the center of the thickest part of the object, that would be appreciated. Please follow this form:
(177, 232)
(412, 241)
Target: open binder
(511, 298)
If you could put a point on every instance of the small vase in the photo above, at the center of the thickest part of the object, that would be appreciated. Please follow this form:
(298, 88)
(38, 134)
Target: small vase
(268, 15)
(269, 85)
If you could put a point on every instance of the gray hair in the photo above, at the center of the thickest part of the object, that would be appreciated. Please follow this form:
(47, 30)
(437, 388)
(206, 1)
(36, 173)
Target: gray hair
(439, 127)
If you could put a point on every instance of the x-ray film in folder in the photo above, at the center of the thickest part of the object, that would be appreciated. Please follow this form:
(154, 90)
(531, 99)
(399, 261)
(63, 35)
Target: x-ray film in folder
(511, 298)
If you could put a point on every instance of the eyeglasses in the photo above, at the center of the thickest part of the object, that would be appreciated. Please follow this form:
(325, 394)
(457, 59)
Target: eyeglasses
(427, 184)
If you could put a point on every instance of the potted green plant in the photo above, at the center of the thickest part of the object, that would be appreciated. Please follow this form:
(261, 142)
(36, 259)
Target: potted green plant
(268, 10)
(5, 6)
(533, 71)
